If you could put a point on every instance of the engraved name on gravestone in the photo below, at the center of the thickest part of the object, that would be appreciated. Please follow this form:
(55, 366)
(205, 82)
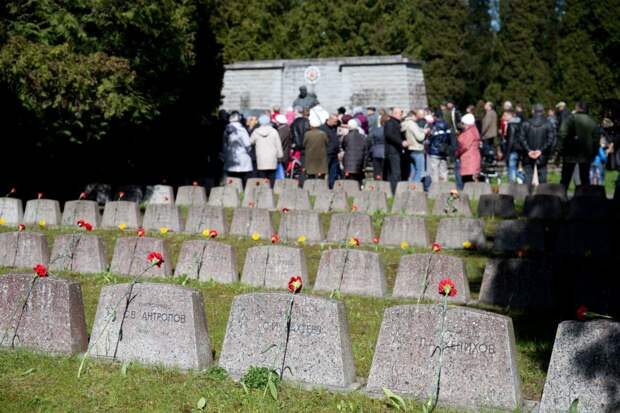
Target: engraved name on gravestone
(315, 186)
(294, 224)
(159, 216)
(159, 194)
(452, 205)
(11, 211)
(282, 185)
(130, 257)
(410, 203)
(343, 227)
(273, 266)
(23, 249)
(454, 232)
(207, 260)
(121, 212)
(79, 253)
(224, 196)
(396, 229)
(370, 202)
(81, 209)
(351, 272)
(258, 197)
(200, 218)
(294, 199)
(328, 201)
(47, 210)
(247, 221)
(190, 195)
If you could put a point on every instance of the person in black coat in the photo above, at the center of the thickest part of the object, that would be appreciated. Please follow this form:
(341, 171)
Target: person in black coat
(355, 149)
(393, 147)
(537, 138)
(330, 127)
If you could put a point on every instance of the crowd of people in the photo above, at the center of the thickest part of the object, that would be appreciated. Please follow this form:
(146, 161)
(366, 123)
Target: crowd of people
(419, 145)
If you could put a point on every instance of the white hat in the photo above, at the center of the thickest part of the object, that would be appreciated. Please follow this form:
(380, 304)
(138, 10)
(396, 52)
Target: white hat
(468, 119)
(314, 122)
(281, 119)
(352, 124)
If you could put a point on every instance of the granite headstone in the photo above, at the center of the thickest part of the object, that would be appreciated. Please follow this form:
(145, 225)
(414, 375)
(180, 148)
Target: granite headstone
(476, 189)
(351, 271)
(11, 211)
(410, 203)
(200, 218)
(452, 205)
(315, 186)
(206, 260)
(236, 183)
(496, 205)
(544, 206)
(348, 186)
(247, 221)
(130, 255)
(396, 229)
(159, 194)
(330, 201)
(254, 182)
(47, 210)
(224, 196)
(81, 209)
(454, 232)
(294, 199)
(518, 191)
(295, 224)
(439, 188)
(191, 195)
(406, 186)
(258, 197)
(550, 189)
(23, 249)
(378, 186)
(82, 253)
(159, 216)
(121, 212)
(370, 202)
(282, 185)
(272, 266)
(345, 226)
(519, 234)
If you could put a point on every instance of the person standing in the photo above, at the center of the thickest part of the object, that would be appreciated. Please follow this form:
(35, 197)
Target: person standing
(511, 145)
(315, 147)
(453, 117)
(355, 152)
(489, 130)
(468, 151)
(393, 147)
(561, 114)
(236, 149)
(284, 130)
(439, 145)
(330, 127)
(268, 148)
(415, 136)
(377, 149)
(373, 119)
(537, 137)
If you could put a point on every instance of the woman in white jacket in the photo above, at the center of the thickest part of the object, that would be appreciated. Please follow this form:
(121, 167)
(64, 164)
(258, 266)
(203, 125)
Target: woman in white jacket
(237, 160)
(268, 148)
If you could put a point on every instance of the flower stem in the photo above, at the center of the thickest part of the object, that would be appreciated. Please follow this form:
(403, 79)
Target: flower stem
(441, 348)
(288, 333)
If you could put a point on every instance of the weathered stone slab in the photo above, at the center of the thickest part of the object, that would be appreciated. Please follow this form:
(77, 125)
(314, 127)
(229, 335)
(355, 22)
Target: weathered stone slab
(345, 226)
(548, 207)
(23, 249)
(163, 324)
(524, 234)
(329, 201)
(419, 276)
(80, 252)
(224, 196)
(236, 183)
(349, 186)
(453, 232)
(247, 221)
(191, 195)
(258, 197)
(370, 202)
(53, 321)
(584, 238)
(254, 182)
(589, 208)
(159, 216)
(204, 217)
(11, 211)
(439, 188)
(452, 205)
(81, 209)
(518, 283)
(518, 191)
(130, 257)
(351, 271)
(294, 199)
(496, 205)
(207, 260)
(410, 203)
(396, 229)
(405, 186)
(592, 191)
(585, 365)
(479, 361)
(550, 189)
(282, 185)
(159, 194)
(272, 266)
(476, 189)
(378, 186)
(294, 224)
(42, 209)
(121, 212)
(318, 351)
(315, 186)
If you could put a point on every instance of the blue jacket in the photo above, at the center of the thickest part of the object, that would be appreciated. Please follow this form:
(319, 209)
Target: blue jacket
(439, 141)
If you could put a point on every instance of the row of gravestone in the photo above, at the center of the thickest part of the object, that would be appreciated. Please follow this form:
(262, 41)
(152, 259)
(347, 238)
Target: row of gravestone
(307, 339)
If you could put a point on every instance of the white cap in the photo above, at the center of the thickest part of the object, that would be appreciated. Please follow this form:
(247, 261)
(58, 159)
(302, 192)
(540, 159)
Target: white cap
(281, 119)
(314, 122)
(352, 124)
(468, 119)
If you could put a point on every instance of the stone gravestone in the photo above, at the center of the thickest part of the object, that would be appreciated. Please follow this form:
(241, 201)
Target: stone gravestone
(11, 211)
(496, 205)
(315, 186)
(207, 260)
(439, 188)
(518, 191)
(419, 276)
(159, 216)
(476, 189)
(294, 224)
(282, 185)
(550, 189)
(159, 194)
(121, 212)
(80, 252)
(410, 203)
(272, 266)
(318, 351)
(162, 325)
(589, 208)
(519, 234)
(378, 186)
(454, 232)
(449, 205)
(191, 195)
(345, 226)
(247, 221)
(130, 257)
(585, 365)
(370, 202)
(224, 196)
(592, 191)
(294, 199)
(479, 368)
(42, 209)
(329, 201)
(547, 207)
(76, 210)
(396, 229)
(348, 186)
(23, 249)
(235, 183)
(518, 283)
(253, 182)
(200, 218)
(53, 321)
(351, 271)
(584, 238)
(405, 186)
(258, 197)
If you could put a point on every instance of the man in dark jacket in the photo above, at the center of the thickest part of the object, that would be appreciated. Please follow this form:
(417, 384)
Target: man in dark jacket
(561, 114)
(299, 127)
(537, 137)
(393, 147)
(330, 127)
(285, 137)
(355, 149)
(511, 146)
(438, 148)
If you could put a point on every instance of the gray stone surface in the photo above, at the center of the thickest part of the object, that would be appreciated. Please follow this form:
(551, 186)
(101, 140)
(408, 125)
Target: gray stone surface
(204, 217)
(162, 325)
(479, 369)
(237, 183)
(396, 229)
(281, 185)
(550, 189)
(453, 232)
(589, 208)
(405, 186)
(159, 216)
(46, 209)
(378, 186)
(496, 205)
(584, 238)
(81, 209)
(318, 351)
(448, 205)
(585, 365)
(159, 194)
(23, 249)
(11, 210)
(247, 221)
(475, 189)
(272, 266)
(315, 186)
(294, 199)
(438, 188)
(410, 203)
(518, 283)
(419, 276)
(294, 224)
(548, 207)
(130, 257)
(518, 191)
(224, 196)
(254, 182)
(519, 234)
(345, 226)
(258, 197)
(207, 260)
(591, 191)
(121, 212)
(53, 321)
(329, 201)
(190, 195)
(351, 271)
(370, 202)
(83, 253)
(349, 186)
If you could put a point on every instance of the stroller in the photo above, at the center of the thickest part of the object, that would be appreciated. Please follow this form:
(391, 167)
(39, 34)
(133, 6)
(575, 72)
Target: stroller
(294, 168)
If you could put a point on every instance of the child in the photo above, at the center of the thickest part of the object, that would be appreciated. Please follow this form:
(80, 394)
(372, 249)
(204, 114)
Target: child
(597, 169)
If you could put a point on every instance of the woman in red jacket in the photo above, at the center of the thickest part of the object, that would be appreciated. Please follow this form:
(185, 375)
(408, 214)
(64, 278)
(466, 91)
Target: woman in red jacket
(469, 149)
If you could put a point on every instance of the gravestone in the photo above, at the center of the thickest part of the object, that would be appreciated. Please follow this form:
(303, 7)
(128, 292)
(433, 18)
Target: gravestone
(315, 186)
(591, 191)
(191, 195)
(584, 238)
(351, 271)
(162, 325)
(519, 234)
(130, 257)
(159, 216)
(396, 229)
(410, 203)
(479, 369)
(439, 188)
(282, 185)
(254, 182)
(76, 210)
(348, 186)
(589, 208)
(294, 224)
(329, 201)
(345, 226)
(294, 199)
(121, 212)
(550, 189)
(258, 197)
(132, 193)
(585, 365)
(449, 205)
(370, 202)
(318, 351)
(405, 186)
(236, 183)
(200, 218)
(11, 211)
(547, 207)
(23, 249)
(518, 191)
(81, 253)
(98, 192)
(378, 186)
(53, 321)
(419, 276)
(453, 232)
(496, 205)
(476, 189)
(224, 196)
(207, 260)
(272, 266)
(247, 221)
(159, 194)
(42, 209)
(518, 283)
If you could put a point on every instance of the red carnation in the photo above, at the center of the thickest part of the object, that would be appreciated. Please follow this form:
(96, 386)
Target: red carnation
(21, 227)
(436, 247)
(13, 190)
(257, 183)
(213, 233)
(230, 181)
(80, 223)
(295, 284)
(275, 239)
(88, 226)
(39, 195)
(121, 195)
(141, 232)
(155, 258)
(375, 240)
(285, 210)
(195, 183)
(582, 312)
(446, 287)
(40, 270)
(83, 195)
